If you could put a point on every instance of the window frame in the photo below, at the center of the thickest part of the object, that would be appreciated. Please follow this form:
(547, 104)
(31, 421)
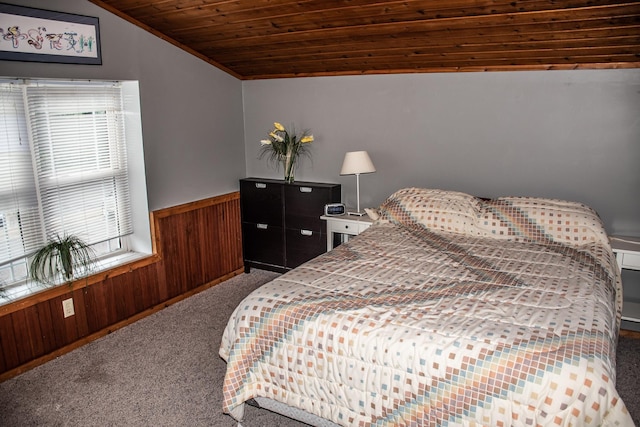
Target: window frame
(134, 246)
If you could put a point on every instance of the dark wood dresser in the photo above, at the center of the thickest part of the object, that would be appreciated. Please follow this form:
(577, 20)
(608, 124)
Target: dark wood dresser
(281, 225)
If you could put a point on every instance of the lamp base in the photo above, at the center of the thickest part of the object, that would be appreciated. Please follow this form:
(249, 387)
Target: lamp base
(355, 213)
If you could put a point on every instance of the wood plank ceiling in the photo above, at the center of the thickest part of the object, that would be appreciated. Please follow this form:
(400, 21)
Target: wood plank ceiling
(260, 39)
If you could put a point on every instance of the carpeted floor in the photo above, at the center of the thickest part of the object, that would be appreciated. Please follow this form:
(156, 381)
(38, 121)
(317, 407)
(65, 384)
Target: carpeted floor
(164, 370)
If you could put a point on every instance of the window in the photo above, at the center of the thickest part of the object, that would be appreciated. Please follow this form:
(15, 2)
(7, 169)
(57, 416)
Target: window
(63, 169)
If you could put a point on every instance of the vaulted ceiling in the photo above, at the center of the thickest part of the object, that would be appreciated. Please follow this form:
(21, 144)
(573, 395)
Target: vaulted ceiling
(259, 39)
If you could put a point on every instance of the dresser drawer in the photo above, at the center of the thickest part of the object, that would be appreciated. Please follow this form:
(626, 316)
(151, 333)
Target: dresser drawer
(309, 200)
(263, 243)
(303, 245)
(312, 223)
(305, 200)
(349, 227)
(304, 204)
(261, 202)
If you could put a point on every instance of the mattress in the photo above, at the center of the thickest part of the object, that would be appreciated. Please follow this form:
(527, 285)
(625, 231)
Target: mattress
(410, 324)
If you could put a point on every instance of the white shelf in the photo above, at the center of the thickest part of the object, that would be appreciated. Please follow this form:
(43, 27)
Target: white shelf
(631, 311)
(627, 251)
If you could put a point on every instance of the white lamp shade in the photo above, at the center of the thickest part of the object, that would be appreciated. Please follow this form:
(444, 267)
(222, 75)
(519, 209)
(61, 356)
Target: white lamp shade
(357, 162)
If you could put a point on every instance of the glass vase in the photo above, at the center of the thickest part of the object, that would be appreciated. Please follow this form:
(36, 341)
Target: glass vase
(289, 163)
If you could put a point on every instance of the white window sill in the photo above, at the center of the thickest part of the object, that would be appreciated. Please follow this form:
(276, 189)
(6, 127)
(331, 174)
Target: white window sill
(20, 290)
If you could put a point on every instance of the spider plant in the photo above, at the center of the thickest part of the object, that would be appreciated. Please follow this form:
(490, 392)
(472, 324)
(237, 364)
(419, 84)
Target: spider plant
(3, 291)
(67, 256)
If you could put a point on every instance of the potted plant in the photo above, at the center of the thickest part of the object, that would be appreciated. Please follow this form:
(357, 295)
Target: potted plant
(67, 256)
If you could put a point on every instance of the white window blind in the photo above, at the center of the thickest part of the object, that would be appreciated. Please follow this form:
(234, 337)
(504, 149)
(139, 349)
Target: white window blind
(20, 230)
(72, 155)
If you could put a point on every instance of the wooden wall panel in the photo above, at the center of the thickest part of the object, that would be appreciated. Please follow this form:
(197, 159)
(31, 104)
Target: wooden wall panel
(32, 323)
(96, 304)
(197, 245)
(23, 337)
(79, 298)
(148, 282)
(46, 327)
(8, 342)
(221, 251)
(122, 297)
(180, 258)
(63, 329)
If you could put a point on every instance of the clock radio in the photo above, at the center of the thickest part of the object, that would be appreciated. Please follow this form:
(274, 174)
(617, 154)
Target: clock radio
(332, 209)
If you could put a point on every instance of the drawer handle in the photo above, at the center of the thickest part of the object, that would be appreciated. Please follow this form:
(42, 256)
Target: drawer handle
(306, 232)
(306, 189)
(261, 185)
(262, 226)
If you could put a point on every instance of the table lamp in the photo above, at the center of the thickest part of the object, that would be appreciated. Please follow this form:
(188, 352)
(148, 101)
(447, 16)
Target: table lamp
(356, 163)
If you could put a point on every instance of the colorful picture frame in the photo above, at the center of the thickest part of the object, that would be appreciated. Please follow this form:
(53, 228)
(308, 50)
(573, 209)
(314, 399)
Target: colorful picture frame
(28, 34)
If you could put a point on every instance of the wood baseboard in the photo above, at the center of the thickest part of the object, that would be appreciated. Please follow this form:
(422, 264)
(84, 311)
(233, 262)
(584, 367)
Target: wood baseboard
(629, 334)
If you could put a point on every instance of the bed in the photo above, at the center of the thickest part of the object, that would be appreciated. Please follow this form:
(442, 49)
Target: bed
(449, 310)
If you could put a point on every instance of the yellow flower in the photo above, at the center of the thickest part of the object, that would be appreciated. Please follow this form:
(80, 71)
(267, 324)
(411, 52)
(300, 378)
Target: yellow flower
(305, 139)
(277, 137)
(279, 127)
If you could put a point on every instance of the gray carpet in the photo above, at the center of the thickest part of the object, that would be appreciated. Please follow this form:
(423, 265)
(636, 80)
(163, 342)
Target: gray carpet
(164, 371)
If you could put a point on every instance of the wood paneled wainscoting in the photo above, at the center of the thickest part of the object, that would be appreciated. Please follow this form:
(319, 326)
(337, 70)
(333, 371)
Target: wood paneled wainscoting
(196, 246)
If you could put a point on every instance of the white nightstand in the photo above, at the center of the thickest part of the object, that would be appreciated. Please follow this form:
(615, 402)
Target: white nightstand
(627, 250)
(346, 225)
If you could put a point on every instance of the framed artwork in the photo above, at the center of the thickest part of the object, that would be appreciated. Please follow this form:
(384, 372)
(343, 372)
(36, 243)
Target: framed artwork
(39, 35)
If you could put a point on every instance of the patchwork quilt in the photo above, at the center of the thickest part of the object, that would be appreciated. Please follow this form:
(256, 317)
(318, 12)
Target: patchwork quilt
(450, 310)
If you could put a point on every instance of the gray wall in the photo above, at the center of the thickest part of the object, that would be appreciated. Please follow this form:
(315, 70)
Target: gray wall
(563, 134)
(191, 111)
